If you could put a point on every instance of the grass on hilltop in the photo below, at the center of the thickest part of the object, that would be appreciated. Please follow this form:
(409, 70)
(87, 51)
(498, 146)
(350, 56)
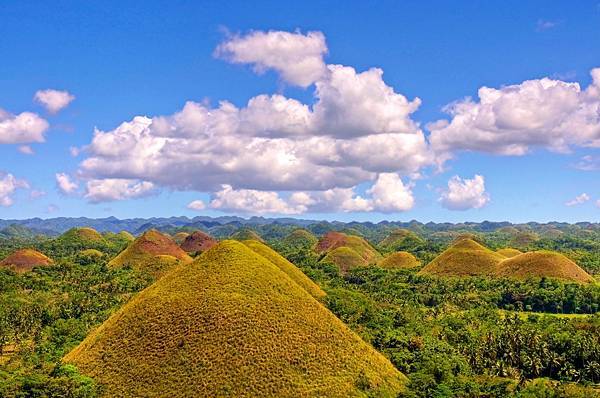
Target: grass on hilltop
(179, 237)
(153, 252)
(464, 258)
(84, 234)
(25, 260)
(333, 240)
(231, 324)
(198, 241)
(290, 269)
(401, 239)
(397, 260)
(543, 263)
(300, 238)
(345, 259)
(246, 234)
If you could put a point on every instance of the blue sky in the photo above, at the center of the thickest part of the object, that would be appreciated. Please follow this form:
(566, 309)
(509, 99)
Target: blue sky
(148, 58)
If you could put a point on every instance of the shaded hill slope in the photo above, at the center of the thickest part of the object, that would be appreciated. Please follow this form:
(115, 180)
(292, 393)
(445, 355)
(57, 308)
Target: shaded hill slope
(198, 241)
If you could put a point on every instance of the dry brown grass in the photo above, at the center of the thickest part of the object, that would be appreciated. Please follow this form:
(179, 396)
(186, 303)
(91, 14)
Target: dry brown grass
(300, 237)
(399, 260)
(198, 241)
(333, 240)
(84, 234)
(179, 237)
(345, 259)
(231, 324)
(152, 252)
(543, 264)
(509, 252)
(246, 234)
(464, 258)
(25, 260)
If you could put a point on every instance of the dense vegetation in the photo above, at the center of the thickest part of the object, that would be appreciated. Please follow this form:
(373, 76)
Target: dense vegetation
(471, 336)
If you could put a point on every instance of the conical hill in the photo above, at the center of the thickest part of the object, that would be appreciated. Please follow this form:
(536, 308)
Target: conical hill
(333, 240)
(464, 258)
(543, 263)
(152, 252)
(231, 324)
(24, 260)
(198, 241)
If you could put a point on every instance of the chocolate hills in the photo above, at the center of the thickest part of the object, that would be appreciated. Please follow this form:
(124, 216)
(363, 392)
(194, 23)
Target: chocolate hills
(283, 264)
(152, 252)
(399, 260)
(333, 240)
(542, 263)
(300, 238)
(464, 258)
(25, 260)
(198, 241)
(401, 239)
(83, 234)
(231, 324)
(246, 234)
(345, 259)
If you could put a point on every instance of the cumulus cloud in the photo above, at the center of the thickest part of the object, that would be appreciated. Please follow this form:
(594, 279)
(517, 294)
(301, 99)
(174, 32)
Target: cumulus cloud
(112, 189)
(23, 128)
(53, 100)
(196, 205)
(545, 113)
(390, 194)
(8, 186)
(357, 128)
(579, 199)
(297, 57)
(65, 184)
(464, 194)
(252, 201)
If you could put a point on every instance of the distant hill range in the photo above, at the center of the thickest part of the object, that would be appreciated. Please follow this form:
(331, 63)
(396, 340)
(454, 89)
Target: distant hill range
(274, 227)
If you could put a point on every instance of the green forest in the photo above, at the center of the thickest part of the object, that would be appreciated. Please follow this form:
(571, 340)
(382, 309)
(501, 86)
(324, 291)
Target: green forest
(475, 336)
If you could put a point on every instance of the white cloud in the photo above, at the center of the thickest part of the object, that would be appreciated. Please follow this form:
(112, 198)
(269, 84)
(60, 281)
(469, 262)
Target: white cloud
(26, 150)
(579, 199)
(107, 190)
(390, 194)
(543, 25)
(545, 113)
(196, 205)
(464, 194)
(65, 184)
(53, 100)
(598, 203)
(74, 151)
(8, 185)
(23, 128)
(252, 201)
(297, 57)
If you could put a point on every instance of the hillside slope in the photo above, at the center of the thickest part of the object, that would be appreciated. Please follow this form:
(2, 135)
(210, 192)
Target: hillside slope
(231, 324)
(25, 260)
(539, 264)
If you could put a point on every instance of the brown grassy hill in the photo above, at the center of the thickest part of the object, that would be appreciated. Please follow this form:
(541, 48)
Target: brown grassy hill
(399, 260)
(542, 263)
(246, 234)
(24, 260)
(198, 241)
(231, 324)
(84, 234)
(401, 238)
(333, 240)
(179, 237)
(524, 239)
(345, 259)
(290, 269)
(300, 237)
(509, 252)
(464, 258)
(152, 252)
